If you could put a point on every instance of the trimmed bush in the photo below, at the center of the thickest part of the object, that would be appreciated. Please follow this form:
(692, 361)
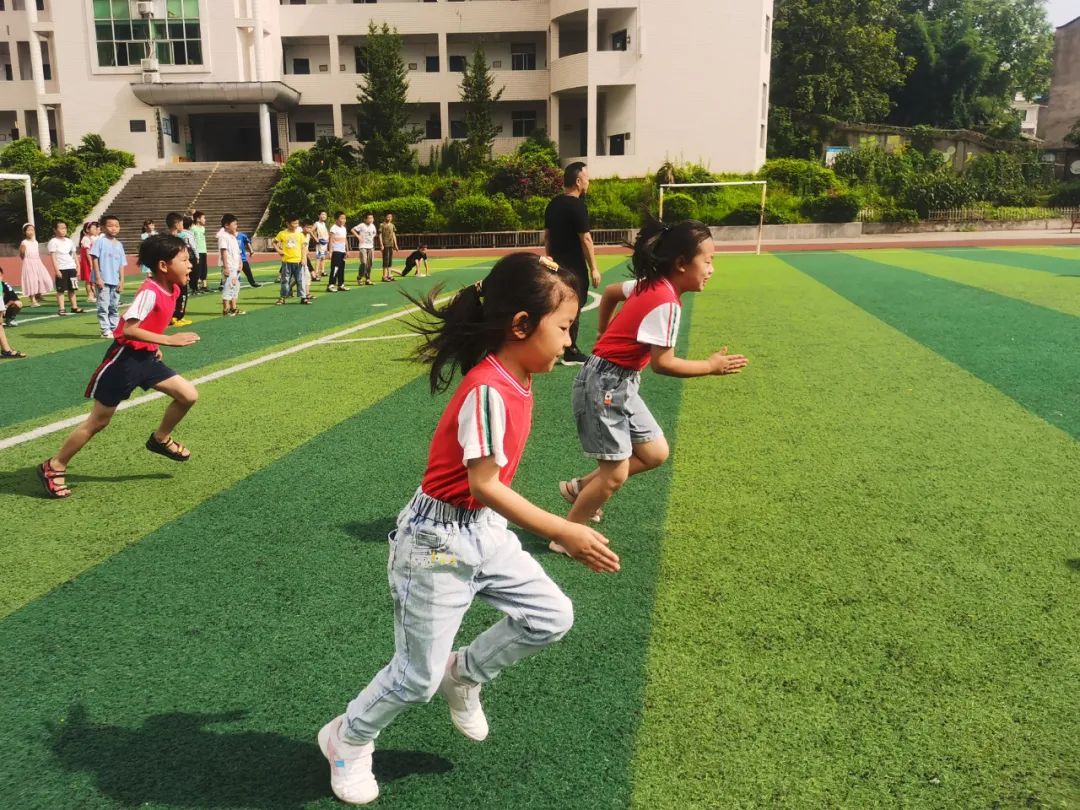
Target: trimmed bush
(518, 179)
(531, 212)
(1066, 195)
(807, 178)
(679, 206)
(612, 215)
(411, 214)
(842, 206)
(749, 213)
(479, 213)
(931, 192)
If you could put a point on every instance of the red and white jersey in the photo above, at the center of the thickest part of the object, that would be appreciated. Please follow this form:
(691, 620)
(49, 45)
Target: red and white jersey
(153, 308)
(649, 317)
(490, 414)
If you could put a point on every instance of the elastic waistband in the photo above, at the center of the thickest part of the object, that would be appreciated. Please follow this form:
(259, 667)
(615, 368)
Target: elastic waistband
(437, 511)
(597, 363)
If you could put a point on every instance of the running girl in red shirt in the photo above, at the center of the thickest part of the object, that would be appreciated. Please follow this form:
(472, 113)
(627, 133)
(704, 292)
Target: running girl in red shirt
(613, 422)
(134, 360)
(452, 543)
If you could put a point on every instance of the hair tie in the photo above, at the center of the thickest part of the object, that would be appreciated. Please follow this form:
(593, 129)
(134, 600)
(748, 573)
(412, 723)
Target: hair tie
(549, 263)
(479, 287)
(665, 227)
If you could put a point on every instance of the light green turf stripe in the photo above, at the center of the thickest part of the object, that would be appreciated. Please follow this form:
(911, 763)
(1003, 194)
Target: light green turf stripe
(239, 425)
(1033, 286)
(867, 597)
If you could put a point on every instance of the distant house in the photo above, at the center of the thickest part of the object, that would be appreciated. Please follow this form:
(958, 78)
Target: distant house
(1063, 109)
(1029, 110)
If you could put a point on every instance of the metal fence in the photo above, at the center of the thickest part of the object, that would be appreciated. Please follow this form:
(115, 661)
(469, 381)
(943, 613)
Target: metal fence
(1001, 214)
(502, 240)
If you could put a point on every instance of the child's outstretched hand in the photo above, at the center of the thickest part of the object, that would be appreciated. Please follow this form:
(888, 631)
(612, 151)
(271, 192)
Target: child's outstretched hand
(184, 338)
(724, 363)
(588, 547)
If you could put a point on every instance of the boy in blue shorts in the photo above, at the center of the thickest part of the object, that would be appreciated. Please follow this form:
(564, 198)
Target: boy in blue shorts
(134, 361)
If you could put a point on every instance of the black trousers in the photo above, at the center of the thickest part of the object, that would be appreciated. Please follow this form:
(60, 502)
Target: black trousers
(583, 297)
(246, 267)
(198, 273)
(337, 268)
(181, 305)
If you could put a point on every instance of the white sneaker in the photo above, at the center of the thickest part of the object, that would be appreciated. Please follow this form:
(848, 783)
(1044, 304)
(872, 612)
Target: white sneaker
(351, 777)
(331, 288)
(464, 700)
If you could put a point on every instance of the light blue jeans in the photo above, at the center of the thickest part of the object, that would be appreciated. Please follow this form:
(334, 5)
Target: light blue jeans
(293, 271)
(441, 557)
(108, 307)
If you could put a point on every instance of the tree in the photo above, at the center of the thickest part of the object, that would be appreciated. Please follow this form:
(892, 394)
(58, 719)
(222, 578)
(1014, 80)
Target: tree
(382, 122)
(837, 58)
(970, 57)
(1073, 135)
(476, 94)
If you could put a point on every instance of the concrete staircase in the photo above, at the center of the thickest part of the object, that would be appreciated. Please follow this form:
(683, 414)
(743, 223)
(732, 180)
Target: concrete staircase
(242, 189)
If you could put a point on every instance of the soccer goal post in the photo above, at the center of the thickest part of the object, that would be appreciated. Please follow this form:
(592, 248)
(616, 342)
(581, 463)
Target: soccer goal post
(764, 193)
(25, 180)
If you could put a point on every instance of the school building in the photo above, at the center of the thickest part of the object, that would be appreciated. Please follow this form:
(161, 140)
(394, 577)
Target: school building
(621, 84)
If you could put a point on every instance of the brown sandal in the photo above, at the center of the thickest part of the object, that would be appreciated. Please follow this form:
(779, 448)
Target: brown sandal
(171, 449)
(48, 475)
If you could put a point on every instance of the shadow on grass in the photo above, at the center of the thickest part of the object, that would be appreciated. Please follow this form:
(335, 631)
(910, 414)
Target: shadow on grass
(1074, 564)
(24, 481)
(174, 759)
(374, 531)
(94, 335)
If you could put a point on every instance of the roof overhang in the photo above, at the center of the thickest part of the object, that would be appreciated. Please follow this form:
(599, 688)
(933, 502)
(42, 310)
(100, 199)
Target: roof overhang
(166, 94)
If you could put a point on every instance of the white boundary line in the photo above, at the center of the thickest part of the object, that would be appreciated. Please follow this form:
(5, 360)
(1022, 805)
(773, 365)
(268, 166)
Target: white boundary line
(64, 424)
(369, 339)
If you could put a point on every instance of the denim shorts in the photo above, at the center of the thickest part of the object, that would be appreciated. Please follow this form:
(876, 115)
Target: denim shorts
(610, 414)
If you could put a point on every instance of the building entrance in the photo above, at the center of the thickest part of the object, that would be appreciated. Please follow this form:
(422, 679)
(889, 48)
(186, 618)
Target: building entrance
(225, 136)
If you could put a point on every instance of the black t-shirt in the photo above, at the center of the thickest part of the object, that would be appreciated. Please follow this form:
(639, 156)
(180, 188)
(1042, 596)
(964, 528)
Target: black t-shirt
(413, 258)
(567, 218)
(9, 292)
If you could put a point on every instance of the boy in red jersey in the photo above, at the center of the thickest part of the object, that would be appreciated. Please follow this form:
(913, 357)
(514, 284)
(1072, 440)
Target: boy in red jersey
(134, 360)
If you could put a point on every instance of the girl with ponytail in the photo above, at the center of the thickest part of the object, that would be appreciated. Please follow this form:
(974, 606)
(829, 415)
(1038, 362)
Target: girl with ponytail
(613, 422)
(452, 543)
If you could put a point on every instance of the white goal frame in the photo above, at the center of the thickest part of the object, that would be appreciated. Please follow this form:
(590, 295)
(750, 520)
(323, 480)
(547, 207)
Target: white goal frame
(764, 193)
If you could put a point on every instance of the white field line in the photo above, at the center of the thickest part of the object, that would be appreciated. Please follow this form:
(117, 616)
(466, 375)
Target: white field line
(64, 424)
(369, 339)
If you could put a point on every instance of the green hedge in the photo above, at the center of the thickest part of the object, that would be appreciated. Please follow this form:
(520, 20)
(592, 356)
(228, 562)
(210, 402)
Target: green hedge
(66, 184)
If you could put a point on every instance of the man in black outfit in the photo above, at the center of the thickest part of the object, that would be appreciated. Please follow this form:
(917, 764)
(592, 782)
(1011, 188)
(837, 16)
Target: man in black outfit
(568, 241)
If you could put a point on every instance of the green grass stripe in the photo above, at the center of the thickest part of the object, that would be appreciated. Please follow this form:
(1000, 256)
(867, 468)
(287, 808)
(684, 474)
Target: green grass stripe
(194, 668)
(1031, 259)
(58, 380)
(1043, 289)
(867, 596)
(1026, 351)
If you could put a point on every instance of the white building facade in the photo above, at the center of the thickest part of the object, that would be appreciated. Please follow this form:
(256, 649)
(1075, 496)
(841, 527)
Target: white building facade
(623, 84)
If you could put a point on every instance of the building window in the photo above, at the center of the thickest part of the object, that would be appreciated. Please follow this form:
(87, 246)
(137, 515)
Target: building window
(305, 131)
(619, 40)
(123, 39)
(768, 33)
(360, 55)
(174, 128)
(431, 64)
(457, 64)
(763, 136)
(301, 67)
(433, 128)
(523, 56)
(46, 71)
(523, 123)
(457, 130)
(764, 99)
(137, 126)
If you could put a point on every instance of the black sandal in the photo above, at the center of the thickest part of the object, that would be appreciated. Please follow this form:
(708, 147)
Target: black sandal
(11, 354)
(171, 449)
(48, 475)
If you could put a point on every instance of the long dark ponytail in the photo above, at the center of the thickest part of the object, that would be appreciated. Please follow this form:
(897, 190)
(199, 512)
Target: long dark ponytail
(477, 320)
(659, 247)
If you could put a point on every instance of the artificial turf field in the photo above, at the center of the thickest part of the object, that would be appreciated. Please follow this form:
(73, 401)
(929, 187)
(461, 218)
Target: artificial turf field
(855, 584)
